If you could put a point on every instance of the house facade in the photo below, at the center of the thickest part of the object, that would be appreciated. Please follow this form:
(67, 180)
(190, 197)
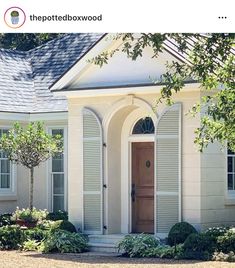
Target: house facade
(126, 167)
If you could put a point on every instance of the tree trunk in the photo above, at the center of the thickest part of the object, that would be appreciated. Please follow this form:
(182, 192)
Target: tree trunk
(31, 189)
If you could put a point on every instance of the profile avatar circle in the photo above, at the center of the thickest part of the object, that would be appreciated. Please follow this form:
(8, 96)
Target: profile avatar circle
(14, 17)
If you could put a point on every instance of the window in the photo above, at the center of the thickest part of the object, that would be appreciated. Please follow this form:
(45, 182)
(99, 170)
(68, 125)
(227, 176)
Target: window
(5, 168)
(231, 171)
(58, 177)
(144, 126)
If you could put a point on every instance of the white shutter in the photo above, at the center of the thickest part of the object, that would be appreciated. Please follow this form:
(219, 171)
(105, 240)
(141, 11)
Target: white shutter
(92, 173)
(168, 174)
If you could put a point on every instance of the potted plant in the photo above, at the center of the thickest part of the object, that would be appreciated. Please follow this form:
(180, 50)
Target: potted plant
(28, 217)
(15, 17)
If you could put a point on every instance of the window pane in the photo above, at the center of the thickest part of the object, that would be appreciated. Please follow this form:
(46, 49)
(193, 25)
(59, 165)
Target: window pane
(58, 203)
(5, 181)
(5, 166)
(230, 182)
(230, 164)
(57, 165)
(58, 132)
(144, 126)
(58, 183)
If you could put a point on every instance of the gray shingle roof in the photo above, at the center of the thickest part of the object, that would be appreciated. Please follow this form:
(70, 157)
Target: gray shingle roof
(25, 77)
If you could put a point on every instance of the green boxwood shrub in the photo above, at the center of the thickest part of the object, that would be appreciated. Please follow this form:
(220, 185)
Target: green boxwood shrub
(63, 225)
(5, 219)
(165, 252)
(64, 242)
(226, 242)
(199, 246)
(58, 215)
(179, 232)
(137, 245)
(10, 237)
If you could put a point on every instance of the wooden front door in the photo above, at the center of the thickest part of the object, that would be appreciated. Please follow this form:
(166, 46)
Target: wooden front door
(142, 187)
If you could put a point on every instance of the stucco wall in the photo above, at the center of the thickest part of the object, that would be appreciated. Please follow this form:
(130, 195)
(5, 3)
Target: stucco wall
(217, 207)
(191, 162)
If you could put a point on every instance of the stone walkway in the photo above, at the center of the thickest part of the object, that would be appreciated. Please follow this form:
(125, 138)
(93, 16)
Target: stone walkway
(16, 259)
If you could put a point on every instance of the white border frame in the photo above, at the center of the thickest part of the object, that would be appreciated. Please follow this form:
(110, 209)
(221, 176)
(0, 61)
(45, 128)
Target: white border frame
(10, 193)
(49, 178)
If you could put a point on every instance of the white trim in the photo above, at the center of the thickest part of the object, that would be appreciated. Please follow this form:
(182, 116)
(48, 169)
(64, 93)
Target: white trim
(29, 117)
(180, 179)
(49, 172)
(141, 137)
(155, 89)
(9, 193)
(51, 116)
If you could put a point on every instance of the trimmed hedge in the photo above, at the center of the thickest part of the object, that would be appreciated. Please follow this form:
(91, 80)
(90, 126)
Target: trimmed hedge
(58, 215)
(63, 225)
(10, 237)
(179, 232)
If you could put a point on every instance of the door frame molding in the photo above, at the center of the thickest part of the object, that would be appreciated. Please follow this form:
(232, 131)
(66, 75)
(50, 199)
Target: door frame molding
(126, 161)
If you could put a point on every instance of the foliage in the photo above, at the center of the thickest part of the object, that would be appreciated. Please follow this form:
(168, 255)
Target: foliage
(137, 245)
(45, 224)
(215, 232)
(30, 245)
(29, 147)
(64, 242)
(58, 215)
(63, 225)
(226, 242)
(55, 225)
(220, 256)
(199, 246)
(25, 41)
(29, 215)
(179, 232)
(165, 252)
(209, 60)
(36, 234)
(10, 237)
(14, 13)
(5, 219)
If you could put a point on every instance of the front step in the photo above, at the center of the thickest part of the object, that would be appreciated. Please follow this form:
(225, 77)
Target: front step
(104, 243)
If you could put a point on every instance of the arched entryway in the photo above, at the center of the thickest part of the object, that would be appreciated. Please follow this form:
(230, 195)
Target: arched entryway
(121, 141)
(138, 177)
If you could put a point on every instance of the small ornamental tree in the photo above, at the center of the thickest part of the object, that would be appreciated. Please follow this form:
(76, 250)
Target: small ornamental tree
(29, 147)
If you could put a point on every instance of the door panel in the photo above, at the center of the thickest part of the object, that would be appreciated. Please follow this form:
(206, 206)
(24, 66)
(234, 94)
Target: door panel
(142, 194)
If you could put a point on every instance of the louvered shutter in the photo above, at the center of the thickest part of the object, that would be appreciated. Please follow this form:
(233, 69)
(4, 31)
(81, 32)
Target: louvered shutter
(92, 173)
(168, 192)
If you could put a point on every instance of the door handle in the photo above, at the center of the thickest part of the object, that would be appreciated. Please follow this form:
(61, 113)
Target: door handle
(133, 192)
